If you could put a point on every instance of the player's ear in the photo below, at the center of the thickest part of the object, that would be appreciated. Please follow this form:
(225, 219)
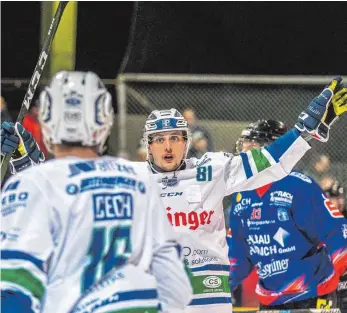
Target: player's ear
(149, 149)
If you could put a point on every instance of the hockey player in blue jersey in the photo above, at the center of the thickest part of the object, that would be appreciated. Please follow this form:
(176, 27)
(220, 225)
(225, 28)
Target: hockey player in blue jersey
(290, 231)
(336, 194)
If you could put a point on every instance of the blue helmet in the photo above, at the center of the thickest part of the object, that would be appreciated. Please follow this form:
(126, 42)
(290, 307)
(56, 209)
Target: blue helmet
(165, 120)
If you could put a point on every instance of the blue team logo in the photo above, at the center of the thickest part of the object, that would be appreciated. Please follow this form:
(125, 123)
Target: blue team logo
(169, 182)
(72, 189)
(282, 214)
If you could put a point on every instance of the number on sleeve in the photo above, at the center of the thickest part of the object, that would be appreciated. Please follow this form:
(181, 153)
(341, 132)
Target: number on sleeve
(204, 173)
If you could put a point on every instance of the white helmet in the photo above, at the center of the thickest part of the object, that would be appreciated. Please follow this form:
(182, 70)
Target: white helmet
(166, 120)
(76, 108)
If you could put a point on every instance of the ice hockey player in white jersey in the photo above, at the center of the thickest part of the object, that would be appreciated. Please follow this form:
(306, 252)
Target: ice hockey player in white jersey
(193, 189)
(68, 222)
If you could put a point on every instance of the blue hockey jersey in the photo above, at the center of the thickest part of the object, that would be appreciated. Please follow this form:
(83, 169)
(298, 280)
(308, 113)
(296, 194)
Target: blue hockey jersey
(294, 236)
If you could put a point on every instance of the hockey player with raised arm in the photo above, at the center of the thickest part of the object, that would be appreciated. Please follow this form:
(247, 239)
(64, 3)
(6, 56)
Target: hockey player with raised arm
(290, 231)
(337, 194)
(193, 189)
(73, 219)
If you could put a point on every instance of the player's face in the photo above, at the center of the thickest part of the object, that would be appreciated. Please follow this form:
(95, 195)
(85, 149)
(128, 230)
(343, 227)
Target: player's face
(168, 149)
(249, 144)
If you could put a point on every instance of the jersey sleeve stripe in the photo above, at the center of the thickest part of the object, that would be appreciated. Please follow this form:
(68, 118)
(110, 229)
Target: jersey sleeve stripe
(278, 148)
(205, 301)
(260, 160)
(268, 156)
(19, 255)
(24, 278)
(246, 165)
(211, 267)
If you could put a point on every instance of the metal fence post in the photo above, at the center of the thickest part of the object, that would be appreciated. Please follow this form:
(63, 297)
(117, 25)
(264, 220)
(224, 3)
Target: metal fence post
(122, 111)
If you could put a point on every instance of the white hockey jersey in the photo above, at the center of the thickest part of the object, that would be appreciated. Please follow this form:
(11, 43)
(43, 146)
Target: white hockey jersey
(193, 199)
(68, 221)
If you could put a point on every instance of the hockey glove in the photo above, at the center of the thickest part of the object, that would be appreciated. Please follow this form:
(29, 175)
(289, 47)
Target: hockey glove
(9, 140)
(323, 111)
(25, 150)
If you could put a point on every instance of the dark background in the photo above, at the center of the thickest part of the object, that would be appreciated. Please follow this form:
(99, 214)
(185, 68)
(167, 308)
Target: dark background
(184, 37)
(189, 37)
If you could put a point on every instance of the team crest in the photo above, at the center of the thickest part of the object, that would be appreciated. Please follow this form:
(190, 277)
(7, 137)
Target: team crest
(169, 182)
(282, 215)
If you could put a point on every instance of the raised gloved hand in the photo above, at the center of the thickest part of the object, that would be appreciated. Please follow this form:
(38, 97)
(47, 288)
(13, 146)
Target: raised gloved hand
(9, 140)
(25, 151)
(323, 111)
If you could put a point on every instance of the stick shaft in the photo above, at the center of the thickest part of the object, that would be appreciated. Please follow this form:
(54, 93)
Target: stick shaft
(36, 76)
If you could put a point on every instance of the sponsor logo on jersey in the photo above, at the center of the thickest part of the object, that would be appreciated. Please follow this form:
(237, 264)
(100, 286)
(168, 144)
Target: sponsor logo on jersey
(212, 282)
(274, 268)
(11, 235)
(332, 209)
(256, 214)
(113, 206)
(202, 162)
(281, 236)
(259, 239)
(192, 219)
(263, 250)
(301, 176)
(269, 250)
(200, 261)
(241, 205)
(259, 223)
(344, 231)
(282, 214)
(171, 194)
(243, 201)
(256, 204)
(102, 165)
(188, 251)
(12, 186)
(10, 202)
(260, 244)
(280, 197)
(106, 183)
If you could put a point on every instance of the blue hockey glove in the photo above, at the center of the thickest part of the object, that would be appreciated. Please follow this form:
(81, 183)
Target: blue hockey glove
(9, 140)
(25, 151)
(323, 111)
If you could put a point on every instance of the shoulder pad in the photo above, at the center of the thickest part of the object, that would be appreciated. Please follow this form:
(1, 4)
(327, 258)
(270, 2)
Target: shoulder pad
(301, 176)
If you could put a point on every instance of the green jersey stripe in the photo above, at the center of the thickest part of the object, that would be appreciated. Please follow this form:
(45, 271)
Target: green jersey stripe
(25, 279)
(260, 160)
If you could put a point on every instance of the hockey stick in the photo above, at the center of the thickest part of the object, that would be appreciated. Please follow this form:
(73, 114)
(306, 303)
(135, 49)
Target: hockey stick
(36, 76)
